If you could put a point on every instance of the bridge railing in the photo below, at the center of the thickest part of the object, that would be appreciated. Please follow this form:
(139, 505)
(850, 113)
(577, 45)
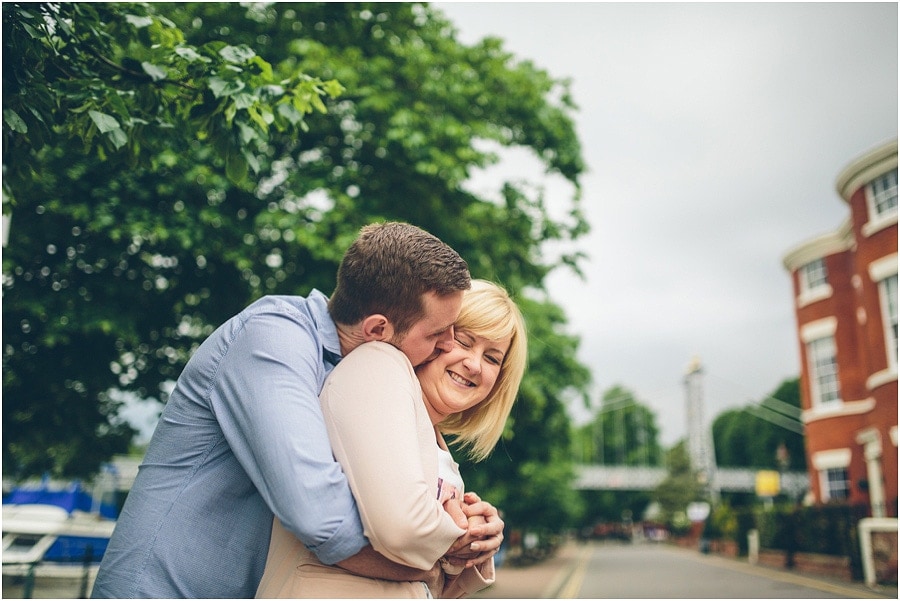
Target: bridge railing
(620, 477)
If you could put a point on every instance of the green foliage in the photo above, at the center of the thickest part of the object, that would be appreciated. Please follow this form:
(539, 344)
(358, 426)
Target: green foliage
(120, 78)
(120, 262)
(609, 506)
(746, 521)
(743, 439)
(825, 529)
(623, 432)
(679, 488)
(722, 522)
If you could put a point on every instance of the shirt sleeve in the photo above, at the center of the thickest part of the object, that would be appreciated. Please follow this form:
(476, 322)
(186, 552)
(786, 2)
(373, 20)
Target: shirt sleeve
(265, 396)
(379, 430)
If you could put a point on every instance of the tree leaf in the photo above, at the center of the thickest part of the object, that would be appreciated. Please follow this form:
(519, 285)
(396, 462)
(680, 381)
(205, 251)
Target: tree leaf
(105, 123)
(155, 72)
(235, 167)
(117, 137)
(224, 87)
(15, 122)
(138, 21)
(237, 54)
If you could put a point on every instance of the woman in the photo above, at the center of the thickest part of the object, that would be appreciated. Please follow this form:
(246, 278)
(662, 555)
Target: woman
(385, 422)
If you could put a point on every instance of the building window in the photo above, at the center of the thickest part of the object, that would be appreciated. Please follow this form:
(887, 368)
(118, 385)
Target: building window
(888, 290)
(813, 276)
(883, 195)
(823, 372)
(835, 484)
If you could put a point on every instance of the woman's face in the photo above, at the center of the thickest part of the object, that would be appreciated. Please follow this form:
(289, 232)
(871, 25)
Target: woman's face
(463, 376)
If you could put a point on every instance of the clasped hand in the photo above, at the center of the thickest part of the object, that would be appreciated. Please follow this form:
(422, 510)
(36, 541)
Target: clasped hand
(484, 533)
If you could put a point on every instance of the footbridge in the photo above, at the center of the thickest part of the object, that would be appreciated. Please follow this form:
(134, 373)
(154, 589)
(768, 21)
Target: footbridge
(620, 477)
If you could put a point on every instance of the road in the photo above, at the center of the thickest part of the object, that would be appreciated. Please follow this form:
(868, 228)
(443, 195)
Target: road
(655, 571)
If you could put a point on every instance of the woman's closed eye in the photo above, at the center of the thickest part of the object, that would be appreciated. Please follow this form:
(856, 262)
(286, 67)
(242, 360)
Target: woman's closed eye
(494, 359)
(464, 341)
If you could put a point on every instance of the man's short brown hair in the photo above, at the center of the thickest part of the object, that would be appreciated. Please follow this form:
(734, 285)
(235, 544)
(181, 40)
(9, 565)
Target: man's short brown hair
(388, 268)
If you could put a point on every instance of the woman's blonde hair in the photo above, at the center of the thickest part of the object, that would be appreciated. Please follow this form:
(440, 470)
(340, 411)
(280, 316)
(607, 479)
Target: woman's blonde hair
(488, 311)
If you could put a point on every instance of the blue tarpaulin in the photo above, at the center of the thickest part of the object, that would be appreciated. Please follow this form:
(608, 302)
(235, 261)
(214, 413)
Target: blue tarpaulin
(71, 499)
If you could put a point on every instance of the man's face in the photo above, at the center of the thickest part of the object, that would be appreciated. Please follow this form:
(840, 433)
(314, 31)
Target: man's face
(434, 332)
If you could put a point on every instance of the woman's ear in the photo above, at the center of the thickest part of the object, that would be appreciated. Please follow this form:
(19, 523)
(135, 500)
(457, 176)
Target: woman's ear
(377, 327)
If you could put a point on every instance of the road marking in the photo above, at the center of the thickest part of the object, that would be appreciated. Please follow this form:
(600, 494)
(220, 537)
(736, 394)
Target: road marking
(575, 579)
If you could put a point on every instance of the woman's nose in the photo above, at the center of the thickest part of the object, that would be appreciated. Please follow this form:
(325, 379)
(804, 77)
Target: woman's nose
(472, 362)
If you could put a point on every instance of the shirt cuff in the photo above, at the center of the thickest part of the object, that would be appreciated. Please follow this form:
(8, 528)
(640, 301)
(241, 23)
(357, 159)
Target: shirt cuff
(346, 542)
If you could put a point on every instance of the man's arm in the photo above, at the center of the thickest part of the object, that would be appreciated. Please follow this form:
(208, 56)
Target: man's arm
(266, 399)
(368, 562)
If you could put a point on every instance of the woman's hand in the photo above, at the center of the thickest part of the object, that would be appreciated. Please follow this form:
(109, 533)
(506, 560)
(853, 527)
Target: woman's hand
(484, 535)
(453, 505)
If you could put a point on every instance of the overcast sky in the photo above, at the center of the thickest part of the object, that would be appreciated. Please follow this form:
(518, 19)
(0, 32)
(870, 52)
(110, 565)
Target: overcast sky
(713, 135)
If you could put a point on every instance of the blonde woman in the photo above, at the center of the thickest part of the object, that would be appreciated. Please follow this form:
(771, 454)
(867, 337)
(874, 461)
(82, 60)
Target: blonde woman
(386, 423)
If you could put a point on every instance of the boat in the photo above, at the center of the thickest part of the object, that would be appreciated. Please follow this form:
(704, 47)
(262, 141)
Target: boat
(57, 534)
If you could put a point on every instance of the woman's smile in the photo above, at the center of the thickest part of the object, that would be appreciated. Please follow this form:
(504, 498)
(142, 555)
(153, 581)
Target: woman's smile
(460, 380)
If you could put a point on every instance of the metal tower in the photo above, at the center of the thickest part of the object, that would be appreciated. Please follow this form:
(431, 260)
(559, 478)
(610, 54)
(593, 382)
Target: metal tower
(700, 445)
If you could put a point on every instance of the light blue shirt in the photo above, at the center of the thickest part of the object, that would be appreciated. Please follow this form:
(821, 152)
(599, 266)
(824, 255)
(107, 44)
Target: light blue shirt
(241, 436)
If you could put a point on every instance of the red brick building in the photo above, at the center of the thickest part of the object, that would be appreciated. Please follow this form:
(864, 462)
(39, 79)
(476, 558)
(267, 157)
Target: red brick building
(845, 299)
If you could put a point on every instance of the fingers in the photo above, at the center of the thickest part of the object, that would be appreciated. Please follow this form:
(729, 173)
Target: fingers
(490, 543)
(481, 508)
(485, 533)
(455, 510)
(482, 558)
(461, 546)
(493, 524)
(471, 497)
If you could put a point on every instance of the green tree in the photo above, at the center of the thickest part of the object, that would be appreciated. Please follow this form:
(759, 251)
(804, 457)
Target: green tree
(623, 432)
(679, 488)
(115, 76)
(753, 435)
(98, 101)
(116, 270)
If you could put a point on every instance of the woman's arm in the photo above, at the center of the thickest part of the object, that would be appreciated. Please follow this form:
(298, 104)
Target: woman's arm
(380, 433)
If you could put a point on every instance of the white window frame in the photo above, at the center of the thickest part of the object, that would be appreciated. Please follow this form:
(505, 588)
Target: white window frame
(826, 462)
(825, 483)
(824, 377)
(816, 336)
(887, 293)
(880, 193)
(813, 276)
(880, 272)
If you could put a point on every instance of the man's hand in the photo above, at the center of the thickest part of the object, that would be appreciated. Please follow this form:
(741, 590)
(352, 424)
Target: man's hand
(484, 536)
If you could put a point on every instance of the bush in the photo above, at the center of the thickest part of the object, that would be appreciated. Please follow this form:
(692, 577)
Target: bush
(824, 529)
(746, 522)
(724, 520)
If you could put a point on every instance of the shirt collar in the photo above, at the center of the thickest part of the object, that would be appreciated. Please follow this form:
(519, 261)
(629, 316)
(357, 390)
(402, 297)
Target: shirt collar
(318, 308)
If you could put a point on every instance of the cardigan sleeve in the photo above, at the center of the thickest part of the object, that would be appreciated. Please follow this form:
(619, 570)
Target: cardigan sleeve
(469, 581)
(381, 435)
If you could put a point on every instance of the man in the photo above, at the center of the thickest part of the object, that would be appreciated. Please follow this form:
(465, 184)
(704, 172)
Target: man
(242, 435)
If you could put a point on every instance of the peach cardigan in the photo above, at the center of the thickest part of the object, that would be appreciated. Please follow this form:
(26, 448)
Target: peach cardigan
(381, 434)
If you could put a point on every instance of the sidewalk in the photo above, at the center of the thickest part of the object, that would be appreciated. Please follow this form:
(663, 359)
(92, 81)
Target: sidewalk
(549, 579)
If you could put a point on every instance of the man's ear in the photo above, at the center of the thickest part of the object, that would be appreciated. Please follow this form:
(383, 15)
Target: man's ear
(377, 327)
